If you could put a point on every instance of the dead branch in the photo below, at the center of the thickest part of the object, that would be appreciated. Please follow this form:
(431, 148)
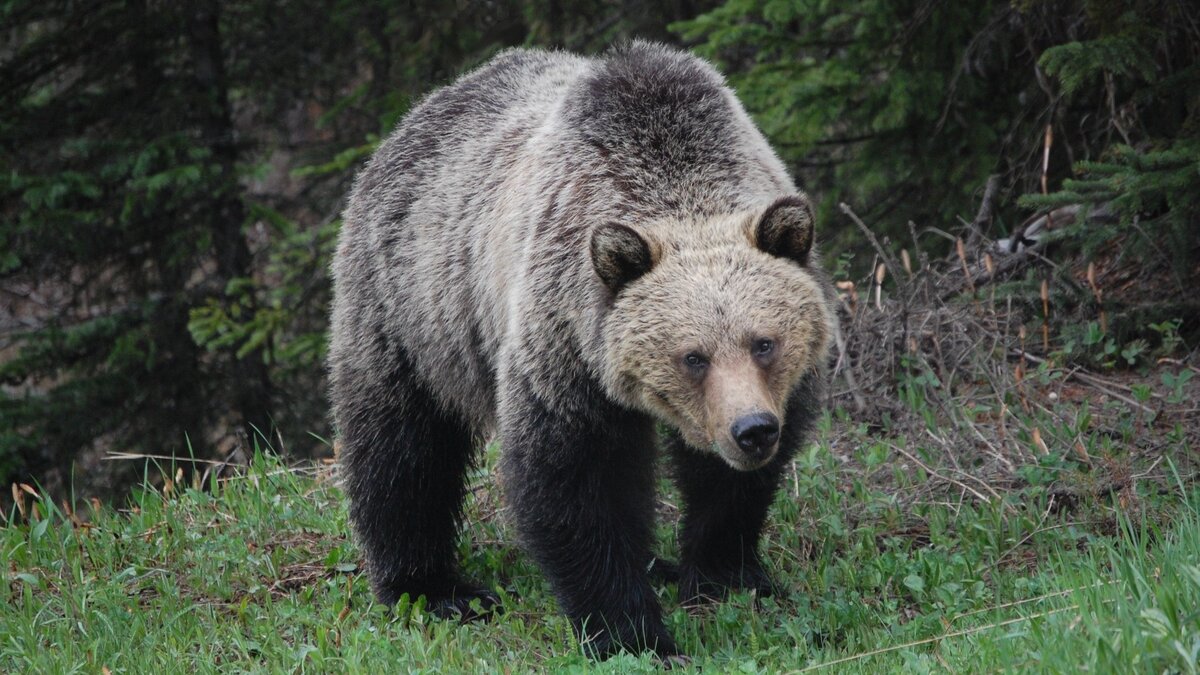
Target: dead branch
(884, 254)
(983, 218)
(1088, 379)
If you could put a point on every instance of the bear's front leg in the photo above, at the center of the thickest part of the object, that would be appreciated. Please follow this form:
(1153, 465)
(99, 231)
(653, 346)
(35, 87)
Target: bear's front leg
(723, 515)
(579, 481)
(724, 509)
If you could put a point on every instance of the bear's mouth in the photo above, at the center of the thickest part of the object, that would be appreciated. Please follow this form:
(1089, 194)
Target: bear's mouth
(740, 461)
(729, 453)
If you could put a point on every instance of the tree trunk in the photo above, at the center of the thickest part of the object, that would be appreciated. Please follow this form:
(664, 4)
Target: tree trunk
(248, 378)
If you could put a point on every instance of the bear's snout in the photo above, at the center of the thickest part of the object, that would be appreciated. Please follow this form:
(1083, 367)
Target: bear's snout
(756, 434)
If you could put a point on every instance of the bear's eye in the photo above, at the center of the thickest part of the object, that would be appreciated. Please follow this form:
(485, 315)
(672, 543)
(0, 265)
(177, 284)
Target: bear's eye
(695, 360)
(763, 347)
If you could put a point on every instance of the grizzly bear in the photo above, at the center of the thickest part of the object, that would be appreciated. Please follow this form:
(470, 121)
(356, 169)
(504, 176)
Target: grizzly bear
(560, 253)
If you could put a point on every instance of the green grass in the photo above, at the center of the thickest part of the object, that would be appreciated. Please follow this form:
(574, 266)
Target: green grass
(257, 573)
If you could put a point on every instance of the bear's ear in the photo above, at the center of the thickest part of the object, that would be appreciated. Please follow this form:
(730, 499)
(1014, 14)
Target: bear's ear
(619, 255)
(786, 229)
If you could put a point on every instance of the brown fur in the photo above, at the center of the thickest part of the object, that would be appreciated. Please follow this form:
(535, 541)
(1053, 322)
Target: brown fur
(531, 256)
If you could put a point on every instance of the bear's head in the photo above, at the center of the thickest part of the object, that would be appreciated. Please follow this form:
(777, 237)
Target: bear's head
(713, 322)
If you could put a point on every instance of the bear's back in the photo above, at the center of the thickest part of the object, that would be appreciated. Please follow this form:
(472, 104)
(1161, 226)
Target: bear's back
(412, 270)
(450, 126)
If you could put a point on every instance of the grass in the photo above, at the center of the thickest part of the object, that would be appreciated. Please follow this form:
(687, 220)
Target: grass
(256, 573)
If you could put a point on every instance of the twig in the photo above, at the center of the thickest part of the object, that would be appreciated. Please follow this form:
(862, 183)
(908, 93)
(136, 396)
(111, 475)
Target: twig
(887, 257)
(1180, 363)
(1000, 268)
(933, 472)
(1148, 471)
(840, 340)
(1041, 521)
(992, 449)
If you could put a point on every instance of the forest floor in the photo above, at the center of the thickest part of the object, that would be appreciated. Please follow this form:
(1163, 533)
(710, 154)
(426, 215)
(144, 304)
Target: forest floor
(889, 565)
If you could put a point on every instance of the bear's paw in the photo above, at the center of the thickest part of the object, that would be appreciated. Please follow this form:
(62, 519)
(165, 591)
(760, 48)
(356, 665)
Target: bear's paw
(700, 585)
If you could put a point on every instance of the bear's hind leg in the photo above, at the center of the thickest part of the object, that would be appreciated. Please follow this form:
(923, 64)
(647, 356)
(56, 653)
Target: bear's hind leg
(404, 462)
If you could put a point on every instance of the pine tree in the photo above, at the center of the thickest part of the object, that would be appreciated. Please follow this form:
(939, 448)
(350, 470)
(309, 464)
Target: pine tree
(122, 211)
(904, 109)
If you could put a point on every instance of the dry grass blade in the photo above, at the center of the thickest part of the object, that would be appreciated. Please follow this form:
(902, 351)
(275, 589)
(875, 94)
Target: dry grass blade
(119, 455)
(939, 638)
(1029, 601)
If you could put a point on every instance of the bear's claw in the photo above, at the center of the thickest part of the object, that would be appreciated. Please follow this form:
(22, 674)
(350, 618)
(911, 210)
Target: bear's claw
(699, 587)
(467, 604)
(676, 661)
(662, 570)
(604, 643)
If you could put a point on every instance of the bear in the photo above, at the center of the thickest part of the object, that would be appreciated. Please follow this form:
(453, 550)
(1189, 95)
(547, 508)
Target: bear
(590, 260)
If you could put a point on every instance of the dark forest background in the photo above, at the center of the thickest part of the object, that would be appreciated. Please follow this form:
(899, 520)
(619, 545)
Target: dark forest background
(172, 173)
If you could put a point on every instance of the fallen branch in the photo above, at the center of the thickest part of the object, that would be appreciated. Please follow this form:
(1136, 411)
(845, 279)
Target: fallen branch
(1091, 380)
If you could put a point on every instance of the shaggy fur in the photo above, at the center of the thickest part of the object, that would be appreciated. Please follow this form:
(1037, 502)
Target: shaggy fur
(557, 252)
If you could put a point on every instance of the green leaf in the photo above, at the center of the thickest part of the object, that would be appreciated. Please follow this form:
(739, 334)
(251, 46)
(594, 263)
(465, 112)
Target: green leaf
(28, 578)
(914, 583)
(39, 529)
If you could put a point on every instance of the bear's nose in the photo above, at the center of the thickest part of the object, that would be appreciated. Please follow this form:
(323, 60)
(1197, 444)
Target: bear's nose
(756, 433)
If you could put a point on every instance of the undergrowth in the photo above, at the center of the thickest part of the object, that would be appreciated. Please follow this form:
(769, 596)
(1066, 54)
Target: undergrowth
(255, 572)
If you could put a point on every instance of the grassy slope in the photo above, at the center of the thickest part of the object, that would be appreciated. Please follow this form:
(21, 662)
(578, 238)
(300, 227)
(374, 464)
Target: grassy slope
(257, 573)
